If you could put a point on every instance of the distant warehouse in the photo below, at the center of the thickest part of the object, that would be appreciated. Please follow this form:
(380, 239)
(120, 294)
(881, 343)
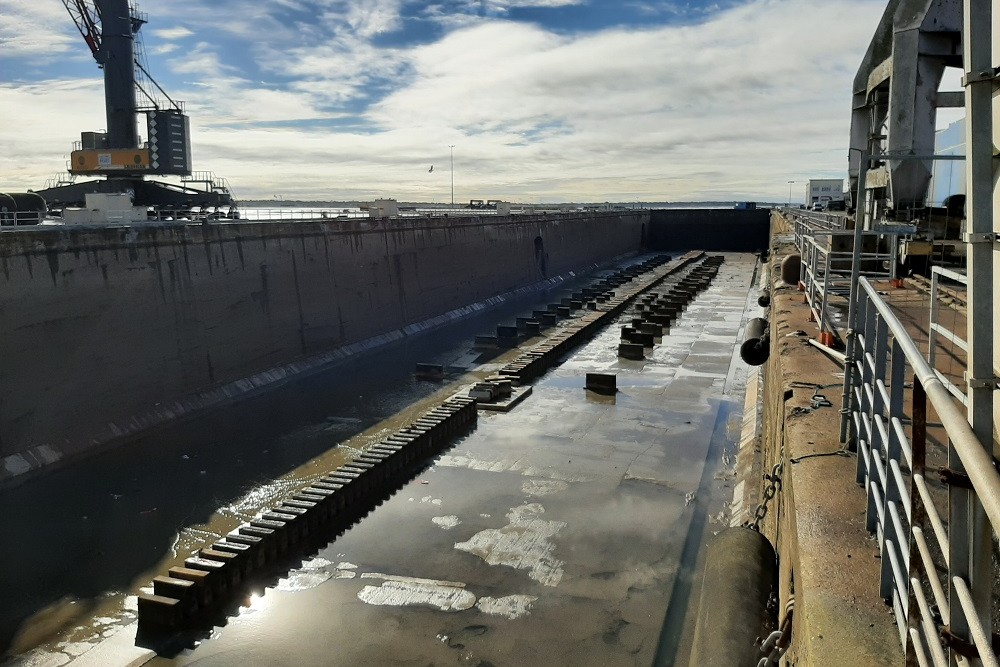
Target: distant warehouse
(824, 189)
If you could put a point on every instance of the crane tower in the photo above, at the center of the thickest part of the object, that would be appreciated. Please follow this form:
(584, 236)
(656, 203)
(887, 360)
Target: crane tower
(110, 29)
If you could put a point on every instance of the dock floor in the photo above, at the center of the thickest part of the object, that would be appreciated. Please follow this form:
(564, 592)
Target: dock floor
(550, 535)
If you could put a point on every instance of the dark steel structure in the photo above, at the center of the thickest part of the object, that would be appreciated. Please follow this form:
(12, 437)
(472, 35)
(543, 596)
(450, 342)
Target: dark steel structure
(110, 28)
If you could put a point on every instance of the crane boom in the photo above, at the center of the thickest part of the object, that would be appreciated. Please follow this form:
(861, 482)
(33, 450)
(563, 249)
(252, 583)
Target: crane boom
(86, 16)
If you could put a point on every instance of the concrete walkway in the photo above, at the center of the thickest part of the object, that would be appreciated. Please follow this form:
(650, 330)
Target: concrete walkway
(829, 562)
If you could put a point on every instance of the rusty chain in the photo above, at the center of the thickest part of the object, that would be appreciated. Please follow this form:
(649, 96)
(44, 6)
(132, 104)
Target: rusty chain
(770, 491)
(777, 643)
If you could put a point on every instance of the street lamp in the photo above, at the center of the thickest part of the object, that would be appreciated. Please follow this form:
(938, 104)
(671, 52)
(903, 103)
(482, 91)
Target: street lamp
(790, 193)
(452, 147)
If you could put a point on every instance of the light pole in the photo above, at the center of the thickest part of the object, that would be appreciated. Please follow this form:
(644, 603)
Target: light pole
(790, 193)
(452, 147)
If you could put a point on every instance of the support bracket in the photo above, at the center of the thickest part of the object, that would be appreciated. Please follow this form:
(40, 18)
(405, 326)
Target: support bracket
(980, 76)
(981, 237)
(992, 383)
(954, 478)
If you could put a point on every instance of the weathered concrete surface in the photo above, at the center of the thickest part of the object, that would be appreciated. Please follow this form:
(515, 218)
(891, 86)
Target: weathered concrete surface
(818, 523)
(108, 331)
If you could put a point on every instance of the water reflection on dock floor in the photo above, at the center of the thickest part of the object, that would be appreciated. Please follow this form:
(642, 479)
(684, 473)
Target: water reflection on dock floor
(554, 534)
(87, 535)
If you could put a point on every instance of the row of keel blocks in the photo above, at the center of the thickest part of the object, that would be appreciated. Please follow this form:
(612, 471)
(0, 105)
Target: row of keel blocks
(657, 311)
(509, 336)
(211, 577)
(540, 358)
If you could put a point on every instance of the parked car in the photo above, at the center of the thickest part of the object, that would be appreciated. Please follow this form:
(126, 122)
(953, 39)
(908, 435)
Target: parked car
(836, 205)
(817, 206)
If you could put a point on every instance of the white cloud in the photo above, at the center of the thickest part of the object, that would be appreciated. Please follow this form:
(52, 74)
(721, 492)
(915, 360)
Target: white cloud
(509, 4)
(734, 106)
(163, 49)
(374, 17)
(40, 30)
(53, 114)
(171, 34)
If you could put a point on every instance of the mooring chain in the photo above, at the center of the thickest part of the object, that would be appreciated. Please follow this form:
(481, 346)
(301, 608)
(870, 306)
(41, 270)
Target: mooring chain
(770, 491)
(776, 644)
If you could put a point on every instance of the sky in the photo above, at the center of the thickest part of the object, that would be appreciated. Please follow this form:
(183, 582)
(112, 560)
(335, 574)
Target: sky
(543, 100)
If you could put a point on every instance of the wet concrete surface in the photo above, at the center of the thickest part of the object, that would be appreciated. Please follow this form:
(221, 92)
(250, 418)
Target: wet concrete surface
(78, 541)
(554, 534)
(565, 532)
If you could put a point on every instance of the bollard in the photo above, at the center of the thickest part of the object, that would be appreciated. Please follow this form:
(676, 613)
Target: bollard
(740, 574)
(756, 345)
(633, 336)
(649, 328)
(631, 351)
(764, 300)
(486, 342)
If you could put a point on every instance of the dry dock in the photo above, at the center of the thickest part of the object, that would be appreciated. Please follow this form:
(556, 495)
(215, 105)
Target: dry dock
(563, 532)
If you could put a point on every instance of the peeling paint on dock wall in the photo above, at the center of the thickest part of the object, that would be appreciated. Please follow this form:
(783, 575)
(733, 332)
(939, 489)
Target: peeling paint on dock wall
(223, 327)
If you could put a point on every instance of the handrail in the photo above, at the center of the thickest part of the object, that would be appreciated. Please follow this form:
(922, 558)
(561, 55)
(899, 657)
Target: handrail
(881, 355)
(936, 328)
(978, 462)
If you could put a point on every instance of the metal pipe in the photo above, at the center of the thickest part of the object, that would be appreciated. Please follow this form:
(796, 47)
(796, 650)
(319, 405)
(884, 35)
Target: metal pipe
(829, 351)
(928, 563)
(918, 648)
(983, 643)
(926, 620)
(977, 461)
(861, 209)
(972, 551)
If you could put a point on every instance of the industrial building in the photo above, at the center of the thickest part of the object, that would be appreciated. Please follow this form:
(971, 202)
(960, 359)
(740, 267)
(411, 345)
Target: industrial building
(824, 189)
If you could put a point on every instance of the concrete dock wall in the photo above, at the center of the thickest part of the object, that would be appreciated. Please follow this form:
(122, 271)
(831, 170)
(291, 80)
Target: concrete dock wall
(817, 519)
(104, 331)
(727, 230)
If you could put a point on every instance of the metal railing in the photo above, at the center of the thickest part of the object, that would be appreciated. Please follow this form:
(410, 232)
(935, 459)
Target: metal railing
(827, 272)
(892, 459)
(15, 218)
(827, 252)
(936, 328)
(809, 223)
